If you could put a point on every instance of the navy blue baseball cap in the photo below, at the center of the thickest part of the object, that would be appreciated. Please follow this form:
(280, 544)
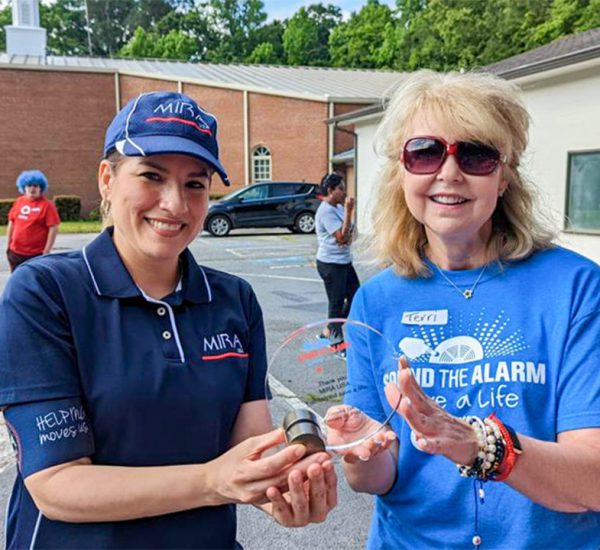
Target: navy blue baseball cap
(165, 122)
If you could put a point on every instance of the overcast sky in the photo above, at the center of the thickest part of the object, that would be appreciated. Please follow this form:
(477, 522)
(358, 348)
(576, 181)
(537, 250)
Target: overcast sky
(280, 9)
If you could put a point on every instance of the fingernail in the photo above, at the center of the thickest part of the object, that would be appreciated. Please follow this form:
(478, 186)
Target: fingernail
(299, 452)
(363, 458)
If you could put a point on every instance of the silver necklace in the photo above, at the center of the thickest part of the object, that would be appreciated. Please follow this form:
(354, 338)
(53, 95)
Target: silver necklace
(467, 294)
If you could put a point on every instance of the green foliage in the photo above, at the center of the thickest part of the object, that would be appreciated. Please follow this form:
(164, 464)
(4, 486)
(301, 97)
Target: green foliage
(270, 33)
(590, 17)
(5, 19)
(5, 206)
(306, 38)
(263, 53)
(564, 18)
(357, 42)
(236, 22)
(174, 45)
(452, 34)
(94, 215)
(438, 34)
(68, 206)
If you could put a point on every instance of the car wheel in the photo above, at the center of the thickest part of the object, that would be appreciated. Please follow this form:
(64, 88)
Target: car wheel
(305, 223)
(219, 226)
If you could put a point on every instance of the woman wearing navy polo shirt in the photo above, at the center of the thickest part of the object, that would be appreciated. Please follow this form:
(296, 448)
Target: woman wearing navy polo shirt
(133, 378)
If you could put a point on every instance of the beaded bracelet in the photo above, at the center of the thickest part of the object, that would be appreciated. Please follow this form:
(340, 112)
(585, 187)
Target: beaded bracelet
(491, 449)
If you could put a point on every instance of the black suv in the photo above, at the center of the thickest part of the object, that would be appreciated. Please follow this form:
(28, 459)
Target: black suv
(270, 204)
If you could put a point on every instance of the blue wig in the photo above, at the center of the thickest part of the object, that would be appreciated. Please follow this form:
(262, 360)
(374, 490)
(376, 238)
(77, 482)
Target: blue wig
(32, 177)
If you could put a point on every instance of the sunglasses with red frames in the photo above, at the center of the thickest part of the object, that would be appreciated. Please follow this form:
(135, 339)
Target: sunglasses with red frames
(426, 155)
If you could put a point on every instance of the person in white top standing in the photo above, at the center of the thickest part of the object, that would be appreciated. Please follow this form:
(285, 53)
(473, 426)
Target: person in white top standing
(335, 230)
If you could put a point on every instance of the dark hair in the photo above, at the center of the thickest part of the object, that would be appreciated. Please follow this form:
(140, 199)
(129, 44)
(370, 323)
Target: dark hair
(330, 181)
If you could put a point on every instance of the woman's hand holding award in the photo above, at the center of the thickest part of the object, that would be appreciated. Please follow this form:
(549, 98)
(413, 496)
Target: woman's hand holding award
(322, 372)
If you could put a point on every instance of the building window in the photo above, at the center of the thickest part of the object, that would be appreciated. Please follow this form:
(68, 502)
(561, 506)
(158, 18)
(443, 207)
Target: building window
(583, 191)
(261, 164)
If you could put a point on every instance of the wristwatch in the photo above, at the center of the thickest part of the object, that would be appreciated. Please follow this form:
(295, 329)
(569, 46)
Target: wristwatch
(514, 439)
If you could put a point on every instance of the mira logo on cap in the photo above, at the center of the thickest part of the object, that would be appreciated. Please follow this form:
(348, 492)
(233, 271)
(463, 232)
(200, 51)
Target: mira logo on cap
(183, 109)
(158, 123)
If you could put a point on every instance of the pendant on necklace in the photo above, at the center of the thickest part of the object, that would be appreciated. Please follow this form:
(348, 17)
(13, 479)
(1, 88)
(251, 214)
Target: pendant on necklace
(467, 294)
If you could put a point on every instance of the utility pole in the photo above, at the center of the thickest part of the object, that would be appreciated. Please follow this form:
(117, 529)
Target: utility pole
(88, 27)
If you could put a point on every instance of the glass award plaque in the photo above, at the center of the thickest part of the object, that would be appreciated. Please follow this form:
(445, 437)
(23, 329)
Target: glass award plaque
(309, 370)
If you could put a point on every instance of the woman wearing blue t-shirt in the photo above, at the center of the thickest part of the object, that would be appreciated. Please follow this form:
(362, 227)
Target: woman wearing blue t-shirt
(132, 378)
(497, 436)
(334, 228)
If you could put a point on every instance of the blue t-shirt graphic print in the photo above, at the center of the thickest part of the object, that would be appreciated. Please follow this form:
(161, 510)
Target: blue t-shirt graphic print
(526, 347)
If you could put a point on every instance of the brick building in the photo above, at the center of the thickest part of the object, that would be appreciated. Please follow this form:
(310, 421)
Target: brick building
(272, 120)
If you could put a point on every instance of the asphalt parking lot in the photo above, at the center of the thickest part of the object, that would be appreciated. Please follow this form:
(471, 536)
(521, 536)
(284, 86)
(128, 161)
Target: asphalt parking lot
(280, 266)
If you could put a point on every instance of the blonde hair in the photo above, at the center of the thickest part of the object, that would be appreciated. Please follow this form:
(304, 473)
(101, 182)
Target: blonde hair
(469, 106)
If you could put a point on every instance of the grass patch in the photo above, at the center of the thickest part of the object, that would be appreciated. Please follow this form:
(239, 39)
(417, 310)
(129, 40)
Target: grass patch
(80, 226)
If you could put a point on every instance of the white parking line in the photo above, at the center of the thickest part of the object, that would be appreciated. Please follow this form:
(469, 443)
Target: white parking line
(289, 397)
(244, 275)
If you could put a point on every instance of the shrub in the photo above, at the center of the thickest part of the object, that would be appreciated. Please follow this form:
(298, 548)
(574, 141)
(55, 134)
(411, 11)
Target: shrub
(5, 206)
(68, 206)
(94, 215)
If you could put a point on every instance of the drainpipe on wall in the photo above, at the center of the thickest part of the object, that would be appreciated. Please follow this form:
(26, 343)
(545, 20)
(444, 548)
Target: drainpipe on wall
(330, 136)
(246, 141)
(117, 92)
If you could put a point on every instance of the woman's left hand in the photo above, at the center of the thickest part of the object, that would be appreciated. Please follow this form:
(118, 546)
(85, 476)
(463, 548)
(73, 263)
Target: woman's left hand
(307, 501)
(436, 431)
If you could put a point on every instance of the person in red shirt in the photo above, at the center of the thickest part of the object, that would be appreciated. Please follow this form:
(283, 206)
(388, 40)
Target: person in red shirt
(32, 221)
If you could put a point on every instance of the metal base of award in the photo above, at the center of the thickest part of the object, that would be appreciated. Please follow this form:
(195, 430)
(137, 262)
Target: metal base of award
(301, 426)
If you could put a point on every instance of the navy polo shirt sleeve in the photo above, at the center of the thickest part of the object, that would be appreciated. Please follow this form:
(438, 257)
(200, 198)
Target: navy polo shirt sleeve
(257, 371)
(48, 433)
(37, 354)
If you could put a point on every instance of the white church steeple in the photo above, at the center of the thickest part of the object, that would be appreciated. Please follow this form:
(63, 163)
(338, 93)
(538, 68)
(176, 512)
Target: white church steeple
(25, 36)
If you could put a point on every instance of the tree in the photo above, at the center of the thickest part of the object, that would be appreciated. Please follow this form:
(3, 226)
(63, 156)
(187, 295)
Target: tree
(306, 38)
(264, 53)
(141, 44)
(396, 43)
(271, 33)
(564, 18)
(65, 25)
(357, 42)
(174, 45)
(236, 21)
(452, 34)
(5, 19)
(194, 23)
(590, 17)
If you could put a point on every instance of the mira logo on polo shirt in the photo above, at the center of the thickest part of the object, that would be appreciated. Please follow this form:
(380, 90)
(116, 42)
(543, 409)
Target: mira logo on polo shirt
(221, 346)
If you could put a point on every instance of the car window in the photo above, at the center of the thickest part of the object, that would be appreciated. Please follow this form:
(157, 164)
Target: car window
(256, 192)
(305, 188)
(284, 189)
